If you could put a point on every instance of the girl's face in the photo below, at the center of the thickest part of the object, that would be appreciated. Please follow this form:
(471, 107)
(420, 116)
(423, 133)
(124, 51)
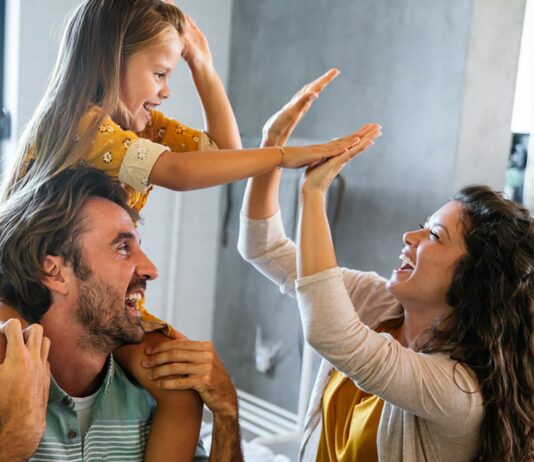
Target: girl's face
(429, 258)
(145, 82)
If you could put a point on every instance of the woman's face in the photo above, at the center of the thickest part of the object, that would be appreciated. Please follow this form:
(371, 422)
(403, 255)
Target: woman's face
(145, 81)
(429, 258)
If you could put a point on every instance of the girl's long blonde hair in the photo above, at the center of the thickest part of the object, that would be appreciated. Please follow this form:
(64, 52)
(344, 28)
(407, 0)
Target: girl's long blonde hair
(99, 37)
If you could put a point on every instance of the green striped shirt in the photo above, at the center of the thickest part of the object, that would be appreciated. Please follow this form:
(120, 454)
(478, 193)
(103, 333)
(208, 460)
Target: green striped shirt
(119, 425)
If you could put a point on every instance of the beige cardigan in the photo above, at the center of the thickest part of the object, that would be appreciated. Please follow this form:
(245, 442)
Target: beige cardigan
(432, 407)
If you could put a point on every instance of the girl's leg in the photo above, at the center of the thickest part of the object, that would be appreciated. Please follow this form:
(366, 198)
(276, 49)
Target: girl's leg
(176, 422)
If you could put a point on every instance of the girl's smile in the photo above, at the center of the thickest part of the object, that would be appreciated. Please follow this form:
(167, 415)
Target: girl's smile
(145, 81)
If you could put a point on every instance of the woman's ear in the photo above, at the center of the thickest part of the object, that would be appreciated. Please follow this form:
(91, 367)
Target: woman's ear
(57, 274)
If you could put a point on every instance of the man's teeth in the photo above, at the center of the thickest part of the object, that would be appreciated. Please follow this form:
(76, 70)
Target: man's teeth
(134, 298)
(406, 260)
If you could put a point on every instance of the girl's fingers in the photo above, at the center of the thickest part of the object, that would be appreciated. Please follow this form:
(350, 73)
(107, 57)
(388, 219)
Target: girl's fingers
(348, 154)
(369, 129)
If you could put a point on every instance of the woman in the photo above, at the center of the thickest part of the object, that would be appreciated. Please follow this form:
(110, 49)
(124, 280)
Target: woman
(435, 364)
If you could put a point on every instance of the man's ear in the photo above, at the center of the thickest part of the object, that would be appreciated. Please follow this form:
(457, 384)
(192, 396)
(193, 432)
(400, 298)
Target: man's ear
(57, 274)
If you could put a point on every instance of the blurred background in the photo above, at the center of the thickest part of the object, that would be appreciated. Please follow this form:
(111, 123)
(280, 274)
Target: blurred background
(450, 81)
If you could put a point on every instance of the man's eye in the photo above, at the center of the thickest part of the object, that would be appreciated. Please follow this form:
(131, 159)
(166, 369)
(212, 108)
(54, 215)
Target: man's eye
(160, 75)
(123, 249)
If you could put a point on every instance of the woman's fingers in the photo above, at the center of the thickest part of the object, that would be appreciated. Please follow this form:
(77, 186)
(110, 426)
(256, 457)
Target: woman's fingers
(320, 83)
(310, 92)
(319, 177)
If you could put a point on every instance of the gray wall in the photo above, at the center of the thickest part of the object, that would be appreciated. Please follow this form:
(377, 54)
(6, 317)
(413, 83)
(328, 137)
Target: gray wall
(404, 65)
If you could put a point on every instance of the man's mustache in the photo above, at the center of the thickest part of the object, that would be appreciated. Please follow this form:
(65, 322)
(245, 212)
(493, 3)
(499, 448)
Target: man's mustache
(138, 283)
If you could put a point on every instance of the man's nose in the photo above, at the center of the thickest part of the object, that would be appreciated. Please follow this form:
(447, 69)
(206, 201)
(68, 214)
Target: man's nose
(146, 268)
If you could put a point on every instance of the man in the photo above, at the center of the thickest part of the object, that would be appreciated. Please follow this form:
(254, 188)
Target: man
(70, 260)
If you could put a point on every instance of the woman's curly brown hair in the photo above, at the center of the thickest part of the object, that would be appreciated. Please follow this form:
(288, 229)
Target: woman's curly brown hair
(492, 294)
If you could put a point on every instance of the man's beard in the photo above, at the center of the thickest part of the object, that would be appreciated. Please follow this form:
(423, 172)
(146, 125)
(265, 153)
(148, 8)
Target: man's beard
(101, 312)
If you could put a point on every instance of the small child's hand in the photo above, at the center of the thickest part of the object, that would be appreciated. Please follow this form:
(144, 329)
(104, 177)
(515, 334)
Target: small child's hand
(280, 126)
(196, 50)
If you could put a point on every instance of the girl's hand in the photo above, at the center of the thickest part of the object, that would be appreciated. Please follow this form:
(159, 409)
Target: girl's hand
(319, 177)
(280, 126)
(196, 50)
(296, 157)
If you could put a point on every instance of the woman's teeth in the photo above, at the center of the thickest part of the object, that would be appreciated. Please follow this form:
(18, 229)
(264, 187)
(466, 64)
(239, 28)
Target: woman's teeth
(407, 263)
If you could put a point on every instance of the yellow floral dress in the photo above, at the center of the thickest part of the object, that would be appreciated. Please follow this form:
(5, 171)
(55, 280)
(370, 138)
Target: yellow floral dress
(129, 157)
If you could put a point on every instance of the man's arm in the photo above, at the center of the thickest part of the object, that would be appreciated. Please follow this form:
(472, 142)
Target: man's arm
(185, 365)
(226, 440)
(24, 381)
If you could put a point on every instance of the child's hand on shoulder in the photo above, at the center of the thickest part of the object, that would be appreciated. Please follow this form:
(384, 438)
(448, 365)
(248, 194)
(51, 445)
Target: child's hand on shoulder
(196, 52)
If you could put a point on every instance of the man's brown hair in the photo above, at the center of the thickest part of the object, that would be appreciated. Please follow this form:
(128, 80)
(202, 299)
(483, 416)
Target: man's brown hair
(47, 220)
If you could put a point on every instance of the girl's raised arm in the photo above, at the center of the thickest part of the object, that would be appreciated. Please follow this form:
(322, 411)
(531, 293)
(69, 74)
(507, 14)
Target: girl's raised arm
(202, 169)
(219, 119)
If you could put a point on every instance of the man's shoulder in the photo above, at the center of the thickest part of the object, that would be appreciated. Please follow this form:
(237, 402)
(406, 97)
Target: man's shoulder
(126, 396)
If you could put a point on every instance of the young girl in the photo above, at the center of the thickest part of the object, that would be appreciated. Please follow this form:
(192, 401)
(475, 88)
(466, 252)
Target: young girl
(100, 109)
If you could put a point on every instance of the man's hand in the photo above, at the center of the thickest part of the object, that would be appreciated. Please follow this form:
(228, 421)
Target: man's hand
(24, 385)
(186, 364)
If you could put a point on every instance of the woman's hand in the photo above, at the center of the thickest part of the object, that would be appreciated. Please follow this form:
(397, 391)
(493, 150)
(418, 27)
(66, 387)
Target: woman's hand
(280, 126)
(196, 51)
(319, 177)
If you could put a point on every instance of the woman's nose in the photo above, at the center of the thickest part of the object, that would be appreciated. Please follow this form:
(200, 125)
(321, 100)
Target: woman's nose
(411, 238)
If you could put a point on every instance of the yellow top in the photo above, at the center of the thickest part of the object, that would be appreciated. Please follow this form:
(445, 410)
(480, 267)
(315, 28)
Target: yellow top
(129, 156)
(350, 422)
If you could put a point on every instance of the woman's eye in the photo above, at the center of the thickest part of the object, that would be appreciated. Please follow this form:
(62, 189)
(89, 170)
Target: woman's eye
(160, 75)
(433, 235)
